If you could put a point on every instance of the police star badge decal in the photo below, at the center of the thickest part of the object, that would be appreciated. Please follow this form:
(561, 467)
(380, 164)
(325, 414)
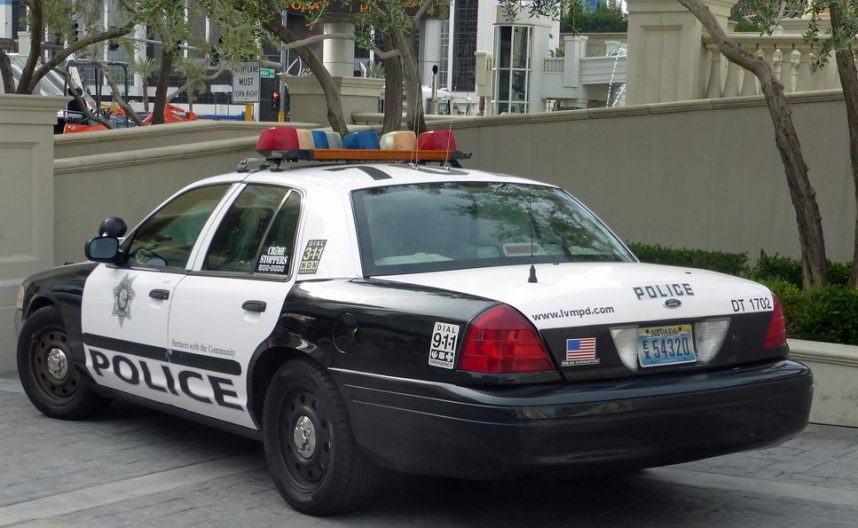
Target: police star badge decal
(123, 294)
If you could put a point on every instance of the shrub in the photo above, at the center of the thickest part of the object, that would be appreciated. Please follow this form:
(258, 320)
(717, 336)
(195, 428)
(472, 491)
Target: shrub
(730, 263)
(790, 269)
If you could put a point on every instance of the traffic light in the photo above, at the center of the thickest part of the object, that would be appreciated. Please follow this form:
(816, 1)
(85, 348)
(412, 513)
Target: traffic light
(75, 32)
(275, 101)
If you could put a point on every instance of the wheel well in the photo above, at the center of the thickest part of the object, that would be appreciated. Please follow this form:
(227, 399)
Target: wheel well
(36, 304)
(264, 368)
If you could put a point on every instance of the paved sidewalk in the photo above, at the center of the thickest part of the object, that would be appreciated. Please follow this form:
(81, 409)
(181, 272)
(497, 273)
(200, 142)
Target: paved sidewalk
(135, 468)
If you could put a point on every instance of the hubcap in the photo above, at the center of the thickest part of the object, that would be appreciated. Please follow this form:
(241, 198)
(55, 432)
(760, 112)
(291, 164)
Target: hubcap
(52, 368)
(304, 437)
(58, 365)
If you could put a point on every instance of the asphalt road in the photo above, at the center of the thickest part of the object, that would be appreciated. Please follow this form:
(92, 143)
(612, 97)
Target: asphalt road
(135, 467)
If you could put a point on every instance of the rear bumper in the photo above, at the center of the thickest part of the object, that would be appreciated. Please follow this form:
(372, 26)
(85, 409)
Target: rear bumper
(556, 430)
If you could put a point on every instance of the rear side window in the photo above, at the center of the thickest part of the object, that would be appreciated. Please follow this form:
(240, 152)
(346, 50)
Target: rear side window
(166, 238)
(257, 233)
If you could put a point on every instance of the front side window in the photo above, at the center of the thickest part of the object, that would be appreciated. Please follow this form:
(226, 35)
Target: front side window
(475, 225)
(165, 239)
(257, 233)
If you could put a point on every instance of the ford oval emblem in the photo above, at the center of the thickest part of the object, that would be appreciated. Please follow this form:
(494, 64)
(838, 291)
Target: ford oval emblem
(672, 303)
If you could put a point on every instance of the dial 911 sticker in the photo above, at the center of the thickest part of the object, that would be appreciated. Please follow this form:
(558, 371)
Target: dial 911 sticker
(442, 346)
(312, 256)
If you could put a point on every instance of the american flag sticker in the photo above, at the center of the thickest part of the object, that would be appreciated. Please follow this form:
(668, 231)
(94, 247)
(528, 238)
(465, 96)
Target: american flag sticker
(580, 351)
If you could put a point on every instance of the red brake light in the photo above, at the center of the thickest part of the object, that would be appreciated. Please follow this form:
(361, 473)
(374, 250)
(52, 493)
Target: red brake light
(277, 139)
(776, 335)
(502, 340)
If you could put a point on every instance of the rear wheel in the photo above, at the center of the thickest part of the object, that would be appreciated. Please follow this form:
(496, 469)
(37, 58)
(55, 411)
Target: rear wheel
(316, 464)
(49, 375)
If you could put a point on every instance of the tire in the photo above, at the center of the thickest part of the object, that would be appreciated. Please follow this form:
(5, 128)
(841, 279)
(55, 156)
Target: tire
(54, 383)
(316, 464)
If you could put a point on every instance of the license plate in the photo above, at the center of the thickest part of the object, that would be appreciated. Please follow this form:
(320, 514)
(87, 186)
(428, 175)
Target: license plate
(666, 345)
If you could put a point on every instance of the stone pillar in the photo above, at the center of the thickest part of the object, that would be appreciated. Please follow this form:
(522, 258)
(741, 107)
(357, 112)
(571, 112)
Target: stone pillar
(666, 57)
(574, 49)
(24, 43)
(26, 203)
(338, 55)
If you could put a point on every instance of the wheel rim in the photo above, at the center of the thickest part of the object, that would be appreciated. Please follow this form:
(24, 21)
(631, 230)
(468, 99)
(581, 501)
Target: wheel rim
(306, 439)
(52, 367)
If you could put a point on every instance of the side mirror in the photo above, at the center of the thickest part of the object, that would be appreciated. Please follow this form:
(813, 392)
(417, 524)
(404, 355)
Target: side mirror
(113, 227)
(102, 249)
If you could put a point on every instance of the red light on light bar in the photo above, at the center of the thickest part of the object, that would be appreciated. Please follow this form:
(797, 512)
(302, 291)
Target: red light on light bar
(277, 139)
(437, 140)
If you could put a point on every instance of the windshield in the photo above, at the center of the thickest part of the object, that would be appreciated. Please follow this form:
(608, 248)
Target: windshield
(456, 225)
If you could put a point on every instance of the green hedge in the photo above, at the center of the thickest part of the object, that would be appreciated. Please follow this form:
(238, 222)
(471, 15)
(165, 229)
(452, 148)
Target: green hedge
(820, 314)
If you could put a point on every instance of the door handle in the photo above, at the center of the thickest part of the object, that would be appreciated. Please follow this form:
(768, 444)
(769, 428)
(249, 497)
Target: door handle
(254, 306)
(161, 295)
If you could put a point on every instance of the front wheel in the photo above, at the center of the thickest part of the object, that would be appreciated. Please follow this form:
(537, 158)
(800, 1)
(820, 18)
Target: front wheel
(316, 464)
(49, 375)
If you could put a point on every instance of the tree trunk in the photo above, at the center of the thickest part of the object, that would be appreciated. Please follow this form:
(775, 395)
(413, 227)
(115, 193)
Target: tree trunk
(801, 191)
(413, 89)
(167, 56)
(849, 80)
(145, 79)
(6, 72)
(392, 92)
(36, 35)
(329, 88)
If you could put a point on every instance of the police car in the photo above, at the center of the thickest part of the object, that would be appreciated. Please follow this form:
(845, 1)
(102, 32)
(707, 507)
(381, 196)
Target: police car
(383, 310)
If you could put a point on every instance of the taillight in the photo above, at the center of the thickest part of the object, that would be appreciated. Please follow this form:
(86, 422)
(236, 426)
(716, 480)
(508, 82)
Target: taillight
(776, 335)
(502, 340)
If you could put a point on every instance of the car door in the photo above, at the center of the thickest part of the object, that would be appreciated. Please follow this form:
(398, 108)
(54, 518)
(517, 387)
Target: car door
(125, 308)
(232, 298)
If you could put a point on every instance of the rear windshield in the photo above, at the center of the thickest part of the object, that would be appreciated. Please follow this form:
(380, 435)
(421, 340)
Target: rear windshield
(455, 225)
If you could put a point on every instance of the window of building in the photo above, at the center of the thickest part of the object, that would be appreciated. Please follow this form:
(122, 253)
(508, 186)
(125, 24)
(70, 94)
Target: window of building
(464, 45)
(444, 63)
(511, 69)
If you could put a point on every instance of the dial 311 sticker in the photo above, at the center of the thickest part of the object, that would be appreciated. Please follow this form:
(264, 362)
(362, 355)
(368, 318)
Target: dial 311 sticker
(442, 347)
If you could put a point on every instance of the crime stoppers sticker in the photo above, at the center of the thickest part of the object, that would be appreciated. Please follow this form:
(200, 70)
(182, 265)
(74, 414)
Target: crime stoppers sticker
(442, 347)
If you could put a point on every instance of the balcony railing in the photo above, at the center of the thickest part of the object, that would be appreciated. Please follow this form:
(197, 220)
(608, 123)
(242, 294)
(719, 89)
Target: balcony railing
(789, 55)
(603, 70)
(553, 65)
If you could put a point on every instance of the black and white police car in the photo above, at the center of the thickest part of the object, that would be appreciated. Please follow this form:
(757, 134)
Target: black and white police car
(375, 313)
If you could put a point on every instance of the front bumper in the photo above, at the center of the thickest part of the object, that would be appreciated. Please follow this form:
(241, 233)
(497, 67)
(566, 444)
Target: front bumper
(565, 429)
(19, 321)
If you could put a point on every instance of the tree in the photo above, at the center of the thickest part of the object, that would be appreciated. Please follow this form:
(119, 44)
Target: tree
(841, 41)
(608, 17)
(801, 191)
(64, 20)
(144, 67)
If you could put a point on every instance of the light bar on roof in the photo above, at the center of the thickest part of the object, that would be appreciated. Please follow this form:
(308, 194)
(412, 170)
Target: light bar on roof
(291, 144)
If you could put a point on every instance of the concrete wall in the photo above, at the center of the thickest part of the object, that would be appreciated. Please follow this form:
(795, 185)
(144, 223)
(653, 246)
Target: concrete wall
(835, 380)
(26, 201)
(129, 139)
(701, 174)
(129, 184)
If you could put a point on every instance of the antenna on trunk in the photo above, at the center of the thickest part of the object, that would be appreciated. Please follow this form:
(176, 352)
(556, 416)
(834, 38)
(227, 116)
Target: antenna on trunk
(532, 276)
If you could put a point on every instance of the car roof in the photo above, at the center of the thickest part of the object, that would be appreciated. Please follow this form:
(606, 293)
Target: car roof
(345, 178)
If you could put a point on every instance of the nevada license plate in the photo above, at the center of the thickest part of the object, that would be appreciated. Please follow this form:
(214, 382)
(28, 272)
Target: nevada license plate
(666, 345)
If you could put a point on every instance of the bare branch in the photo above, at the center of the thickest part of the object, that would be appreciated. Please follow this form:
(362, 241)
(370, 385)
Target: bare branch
(114, 91)
(64, 53)
(87, 113)
(190, 82)
(386, 54)
(318, 38)
(36, 31)
(6, 73)
(420, 12)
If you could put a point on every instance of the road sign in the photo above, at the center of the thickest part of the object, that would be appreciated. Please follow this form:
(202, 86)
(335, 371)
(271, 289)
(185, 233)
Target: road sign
(245, 83)
(266, 73)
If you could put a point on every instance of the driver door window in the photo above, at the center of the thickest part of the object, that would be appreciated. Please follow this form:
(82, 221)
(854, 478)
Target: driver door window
(165, 239)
